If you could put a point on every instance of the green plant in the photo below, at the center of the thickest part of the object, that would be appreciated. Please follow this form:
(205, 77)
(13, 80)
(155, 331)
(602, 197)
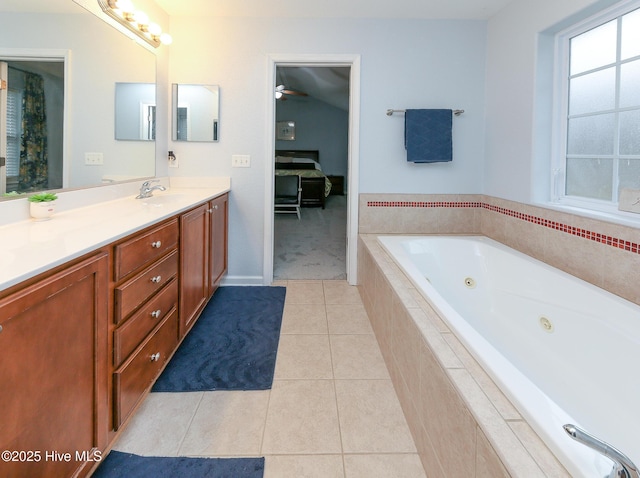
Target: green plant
(42, 197)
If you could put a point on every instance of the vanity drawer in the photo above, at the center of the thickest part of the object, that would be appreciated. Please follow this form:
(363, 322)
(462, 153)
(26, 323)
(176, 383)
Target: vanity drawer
(134, 292)
(133, 378)
(144, 248)
(132, 332)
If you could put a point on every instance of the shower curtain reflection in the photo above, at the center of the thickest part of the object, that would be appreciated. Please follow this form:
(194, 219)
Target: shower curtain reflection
(34, 161)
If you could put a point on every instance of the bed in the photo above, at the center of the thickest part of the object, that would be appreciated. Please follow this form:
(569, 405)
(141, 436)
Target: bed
(316, 186)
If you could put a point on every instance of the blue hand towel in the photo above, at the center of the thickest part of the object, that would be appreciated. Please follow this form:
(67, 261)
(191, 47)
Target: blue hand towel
(427, 136)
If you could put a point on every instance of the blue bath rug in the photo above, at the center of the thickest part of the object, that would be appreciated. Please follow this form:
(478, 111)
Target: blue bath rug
(232, 346)
(120, 465)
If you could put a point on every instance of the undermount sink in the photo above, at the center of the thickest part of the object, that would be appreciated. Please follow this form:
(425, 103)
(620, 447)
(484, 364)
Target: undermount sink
(162, 199)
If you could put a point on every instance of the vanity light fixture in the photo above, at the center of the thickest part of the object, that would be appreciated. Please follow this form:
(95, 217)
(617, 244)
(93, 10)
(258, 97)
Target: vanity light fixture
(136, 21)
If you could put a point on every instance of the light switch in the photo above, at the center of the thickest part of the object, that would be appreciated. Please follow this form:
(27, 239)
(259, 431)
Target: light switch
(93, 159)
(240, 160)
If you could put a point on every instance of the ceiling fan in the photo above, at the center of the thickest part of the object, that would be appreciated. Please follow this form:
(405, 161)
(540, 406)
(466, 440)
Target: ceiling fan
(282, 92)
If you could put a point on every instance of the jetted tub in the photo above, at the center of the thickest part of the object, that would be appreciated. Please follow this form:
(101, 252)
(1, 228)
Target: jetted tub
(562, 350)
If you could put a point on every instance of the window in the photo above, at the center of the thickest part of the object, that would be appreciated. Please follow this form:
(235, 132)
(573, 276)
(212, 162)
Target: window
(14, 131)
(600, 115)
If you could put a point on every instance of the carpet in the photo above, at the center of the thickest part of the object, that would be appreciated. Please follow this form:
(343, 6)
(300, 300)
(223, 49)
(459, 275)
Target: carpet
(119, 465)
(232, 346)
(314, 247)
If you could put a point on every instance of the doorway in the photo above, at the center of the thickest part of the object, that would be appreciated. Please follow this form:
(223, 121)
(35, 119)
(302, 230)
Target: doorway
(323, 63)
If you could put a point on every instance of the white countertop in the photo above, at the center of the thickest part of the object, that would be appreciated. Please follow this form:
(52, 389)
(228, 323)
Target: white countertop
(28, 247)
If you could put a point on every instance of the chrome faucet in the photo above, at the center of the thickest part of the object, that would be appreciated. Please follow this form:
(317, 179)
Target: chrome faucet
(146, 190)
(623, 467)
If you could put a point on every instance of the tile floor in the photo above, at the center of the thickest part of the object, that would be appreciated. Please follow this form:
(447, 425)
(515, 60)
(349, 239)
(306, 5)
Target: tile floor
(332, 410)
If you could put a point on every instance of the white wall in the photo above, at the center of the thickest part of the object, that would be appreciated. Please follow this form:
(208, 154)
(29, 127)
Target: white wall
(519, 94)
(404, 64)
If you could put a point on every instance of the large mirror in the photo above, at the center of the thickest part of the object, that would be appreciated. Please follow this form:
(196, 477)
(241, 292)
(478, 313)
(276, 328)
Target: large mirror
(195, 112)
(92, 58)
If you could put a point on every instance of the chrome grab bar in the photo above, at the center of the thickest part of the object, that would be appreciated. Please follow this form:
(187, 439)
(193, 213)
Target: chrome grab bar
(623, 466)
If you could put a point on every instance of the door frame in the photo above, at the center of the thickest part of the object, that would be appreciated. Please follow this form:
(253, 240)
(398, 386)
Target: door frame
(315, 60)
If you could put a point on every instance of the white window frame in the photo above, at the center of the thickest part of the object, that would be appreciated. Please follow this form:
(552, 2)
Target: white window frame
(559, 140)
(14, 126)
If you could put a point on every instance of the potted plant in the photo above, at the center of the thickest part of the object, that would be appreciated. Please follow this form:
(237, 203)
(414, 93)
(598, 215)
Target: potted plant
(42, 205)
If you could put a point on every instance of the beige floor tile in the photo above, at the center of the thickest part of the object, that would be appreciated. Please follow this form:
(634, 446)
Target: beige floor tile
(303, 466)
(371, 419)
(304, 292)
(303, 357)
(302, 418)
(357, 356)
(304, 319)
(159, 425)
(340, 292)
(227, 424)
(383, 466)
(348, 319)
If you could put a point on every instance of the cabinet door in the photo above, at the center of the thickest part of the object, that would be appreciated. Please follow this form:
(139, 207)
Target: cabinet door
(194, 265)
(218, 263)
(53, 371)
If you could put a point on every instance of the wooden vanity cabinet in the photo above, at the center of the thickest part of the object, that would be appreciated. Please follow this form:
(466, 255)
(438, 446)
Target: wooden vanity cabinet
(53, 372)
(203, 257)
(194, 265)
(145, 332)
(82, 344)
(219, 210)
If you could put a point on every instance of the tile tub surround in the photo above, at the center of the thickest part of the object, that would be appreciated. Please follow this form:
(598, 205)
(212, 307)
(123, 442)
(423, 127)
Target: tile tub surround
(461, 422)
(600, 252)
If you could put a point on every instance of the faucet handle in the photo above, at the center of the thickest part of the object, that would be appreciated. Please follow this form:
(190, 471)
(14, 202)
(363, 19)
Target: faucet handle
(147, 183)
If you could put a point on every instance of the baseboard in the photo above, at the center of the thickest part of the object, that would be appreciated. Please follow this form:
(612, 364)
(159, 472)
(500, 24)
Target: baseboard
(241, 280)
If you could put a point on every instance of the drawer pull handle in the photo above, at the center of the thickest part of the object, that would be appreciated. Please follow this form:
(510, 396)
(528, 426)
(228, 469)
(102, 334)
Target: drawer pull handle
(155, 357)
(156, 279)
(209, 211)
(156, 313)
(156, 244)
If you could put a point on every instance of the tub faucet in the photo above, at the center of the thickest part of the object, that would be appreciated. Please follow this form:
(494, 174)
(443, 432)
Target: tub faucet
(623, 466)
(146, 190)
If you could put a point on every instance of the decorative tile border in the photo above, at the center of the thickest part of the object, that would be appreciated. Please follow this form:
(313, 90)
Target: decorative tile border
(423, 204)
(574, 231)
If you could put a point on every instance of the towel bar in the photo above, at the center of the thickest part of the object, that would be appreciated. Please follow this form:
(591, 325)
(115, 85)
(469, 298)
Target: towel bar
(390, 112)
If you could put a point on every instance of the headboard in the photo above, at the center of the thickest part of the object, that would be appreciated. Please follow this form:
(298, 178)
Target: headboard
(302, 154)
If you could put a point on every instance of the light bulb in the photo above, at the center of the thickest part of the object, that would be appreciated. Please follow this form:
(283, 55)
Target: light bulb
(141, 18)
(166, 39)
(154, 29)
(125, 6)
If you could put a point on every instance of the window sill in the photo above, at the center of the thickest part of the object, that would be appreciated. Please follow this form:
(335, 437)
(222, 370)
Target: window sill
(614, 216)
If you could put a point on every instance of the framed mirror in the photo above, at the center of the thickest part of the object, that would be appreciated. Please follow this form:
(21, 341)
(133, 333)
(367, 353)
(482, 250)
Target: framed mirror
(195, 111)
(95, 57)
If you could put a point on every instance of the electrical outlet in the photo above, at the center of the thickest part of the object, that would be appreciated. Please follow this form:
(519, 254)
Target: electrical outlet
(93, 159)
(173, 160)
(240, 161)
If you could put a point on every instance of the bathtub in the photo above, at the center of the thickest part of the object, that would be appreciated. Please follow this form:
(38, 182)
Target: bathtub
(562, 350)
